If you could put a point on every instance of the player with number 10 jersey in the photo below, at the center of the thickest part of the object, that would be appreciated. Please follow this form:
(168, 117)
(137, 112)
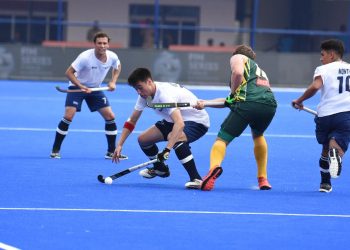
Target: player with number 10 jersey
(333, 111)
(335, 95)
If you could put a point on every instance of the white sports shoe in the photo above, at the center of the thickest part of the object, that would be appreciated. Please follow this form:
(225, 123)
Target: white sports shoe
(195, 184)
(55, 155)
(334, 163)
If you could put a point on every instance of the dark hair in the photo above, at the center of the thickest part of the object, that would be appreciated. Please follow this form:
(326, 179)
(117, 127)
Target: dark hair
(333, 44)
(139, 75)
(245, 50)
(100, 35)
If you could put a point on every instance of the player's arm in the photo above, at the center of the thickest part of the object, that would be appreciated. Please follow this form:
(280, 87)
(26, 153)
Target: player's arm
(71, 77)
(129, 126)
(115, 75)
(309, 92)
(201, 104)
(237, 70)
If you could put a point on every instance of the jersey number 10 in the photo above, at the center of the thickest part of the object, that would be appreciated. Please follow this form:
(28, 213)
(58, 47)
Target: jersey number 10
(341, 83)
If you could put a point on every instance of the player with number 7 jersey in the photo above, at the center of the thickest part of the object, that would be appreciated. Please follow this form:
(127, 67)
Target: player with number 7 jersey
(85, 75)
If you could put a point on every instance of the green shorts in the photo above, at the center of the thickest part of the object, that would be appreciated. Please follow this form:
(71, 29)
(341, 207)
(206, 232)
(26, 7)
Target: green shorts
(257, 115)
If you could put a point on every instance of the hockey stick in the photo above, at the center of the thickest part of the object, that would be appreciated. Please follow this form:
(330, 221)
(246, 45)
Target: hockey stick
(161, 105)
(306, 109)
(124, 172)
(311, 111)
(79, 90)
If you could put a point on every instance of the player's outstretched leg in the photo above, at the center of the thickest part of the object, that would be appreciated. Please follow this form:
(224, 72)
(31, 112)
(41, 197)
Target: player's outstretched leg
(217, 154)
(335, 165)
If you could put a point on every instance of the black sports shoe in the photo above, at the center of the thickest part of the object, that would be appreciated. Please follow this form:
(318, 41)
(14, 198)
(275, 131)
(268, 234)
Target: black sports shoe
(150, 173)
(325, 187)
(109, 156)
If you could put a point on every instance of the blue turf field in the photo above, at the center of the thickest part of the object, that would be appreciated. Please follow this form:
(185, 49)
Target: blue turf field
(58, 204)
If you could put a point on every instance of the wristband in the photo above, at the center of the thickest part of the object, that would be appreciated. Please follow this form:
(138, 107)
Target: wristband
(129, 126)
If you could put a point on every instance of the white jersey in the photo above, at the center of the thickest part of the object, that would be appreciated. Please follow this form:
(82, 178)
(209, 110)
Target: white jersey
(172, 92)
(335, 93)
(90, 71)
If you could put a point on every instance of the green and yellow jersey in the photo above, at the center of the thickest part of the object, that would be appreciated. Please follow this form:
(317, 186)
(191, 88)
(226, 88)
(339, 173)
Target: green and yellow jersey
(255, 86)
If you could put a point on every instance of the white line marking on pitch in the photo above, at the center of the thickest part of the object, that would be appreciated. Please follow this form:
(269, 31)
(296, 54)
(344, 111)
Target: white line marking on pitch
(7, 247)
(169, 212)
(139, 132)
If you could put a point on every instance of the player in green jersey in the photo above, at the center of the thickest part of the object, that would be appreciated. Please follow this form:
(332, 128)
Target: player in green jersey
(252, 104)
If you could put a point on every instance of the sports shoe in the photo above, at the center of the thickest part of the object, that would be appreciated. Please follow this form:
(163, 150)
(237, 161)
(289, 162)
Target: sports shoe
(195, 184)
(325, 187)
(334, 163)
(209, 180)
(264, 183)
(55, 155)
(150, 173)
(109, 156)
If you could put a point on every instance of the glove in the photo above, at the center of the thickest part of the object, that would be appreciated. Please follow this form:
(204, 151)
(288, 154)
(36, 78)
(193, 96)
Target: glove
(229, 100)
(164, 155)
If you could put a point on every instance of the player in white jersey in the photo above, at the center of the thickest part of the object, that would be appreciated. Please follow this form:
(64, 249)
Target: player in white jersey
(88, 71)
(333, 111)
(179, 127)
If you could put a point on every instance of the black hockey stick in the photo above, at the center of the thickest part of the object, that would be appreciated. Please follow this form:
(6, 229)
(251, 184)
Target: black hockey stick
(79, 90)
(124, 172)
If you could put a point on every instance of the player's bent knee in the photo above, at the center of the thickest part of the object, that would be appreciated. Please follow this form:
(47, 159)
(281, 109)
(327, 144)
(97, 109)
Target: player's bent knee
(143, 141)
(109, 116)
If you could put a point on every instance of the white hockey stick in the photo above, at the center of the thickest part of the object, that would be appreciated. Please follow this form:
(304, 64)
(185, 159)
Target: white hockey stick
(311, 111)
(306, 109)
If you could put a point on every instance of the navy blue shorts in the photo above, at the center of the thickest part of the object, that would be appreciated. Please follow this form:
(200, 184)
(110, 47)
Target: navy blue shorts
(335, 126)
(192, 130)
(95, 100)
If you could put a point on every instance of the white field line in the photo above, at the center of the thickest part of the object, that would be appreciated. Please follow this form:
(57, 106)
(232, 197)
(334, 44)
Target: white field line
(7, 247)
(139, 132)
(98, 210)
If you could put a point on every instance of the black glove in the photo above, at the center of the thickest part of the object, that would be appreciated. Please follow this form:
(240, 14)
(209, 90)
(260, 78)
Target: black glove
(229, 100)
(164, 155)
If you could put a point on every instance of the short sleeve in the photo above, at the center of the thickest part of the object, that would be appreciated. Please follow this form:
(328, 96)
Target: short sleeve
(140, 104)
